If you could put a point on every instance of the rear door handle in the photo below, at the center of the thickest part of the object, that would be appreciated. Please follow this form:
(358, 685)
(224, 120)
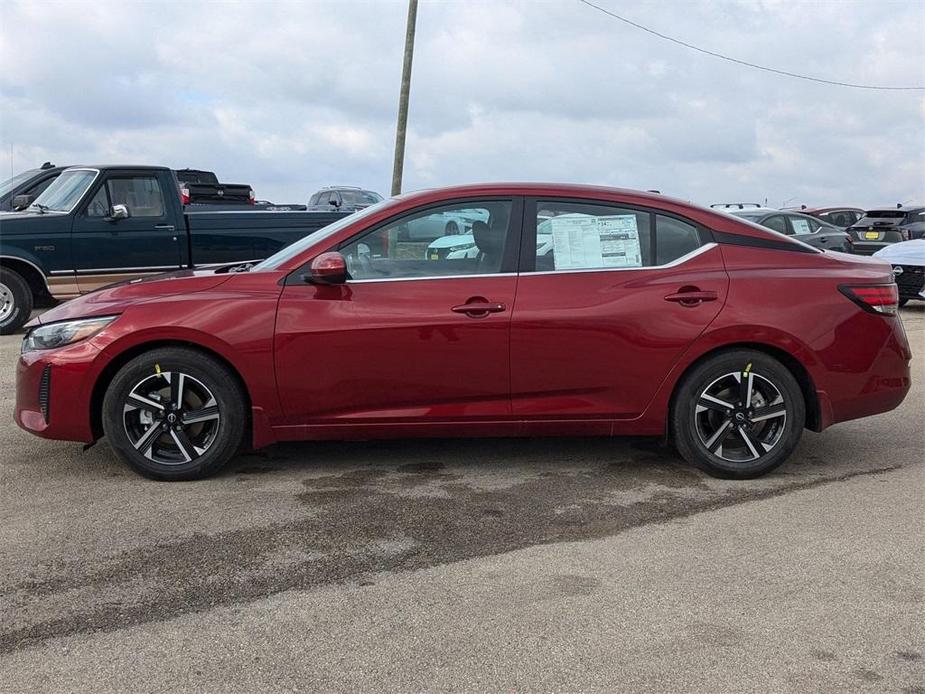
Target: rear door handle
(478, 309)
(165, 227)
(691, 298)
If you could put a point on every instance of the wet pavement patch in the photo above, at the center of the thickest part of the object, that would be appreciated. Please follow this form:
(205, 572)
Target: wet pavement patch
(363, 519)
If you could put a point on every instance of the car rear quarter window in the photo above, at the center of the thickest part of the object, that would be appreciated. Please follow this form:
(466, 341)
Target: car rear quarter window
(674, 239)
(776, 223)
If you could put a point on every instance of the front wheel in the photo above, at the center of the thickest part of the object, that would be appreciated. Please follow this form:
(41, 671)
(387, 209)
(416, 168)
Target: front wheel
(15, 301)
(738, 415)
(175, 414)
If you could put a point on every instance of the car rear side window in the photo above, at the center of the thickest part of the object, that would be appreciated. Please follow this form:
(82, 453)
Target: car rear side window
(776, 223)
(589, 236)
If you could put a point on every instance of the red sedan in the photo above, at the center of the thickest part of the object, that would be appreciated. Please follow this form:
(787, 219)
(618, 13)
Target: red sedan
(552, 310)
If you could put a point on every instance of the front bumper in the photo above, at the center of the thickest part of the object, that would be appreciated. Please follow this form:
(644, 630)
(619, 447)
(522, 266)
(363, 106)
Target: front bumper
(54, 392)
(910, 281)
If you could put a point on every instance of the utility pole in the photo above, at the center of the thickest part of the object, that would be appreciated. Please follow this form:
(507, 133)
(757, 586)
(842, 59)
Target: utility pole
(400, 131)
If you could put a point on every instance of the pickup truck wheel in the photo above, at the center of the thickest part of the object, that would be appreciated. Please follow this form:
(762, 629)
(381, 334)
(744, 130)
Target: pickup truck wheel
(175, 414)
(738, 415)
(15, 301)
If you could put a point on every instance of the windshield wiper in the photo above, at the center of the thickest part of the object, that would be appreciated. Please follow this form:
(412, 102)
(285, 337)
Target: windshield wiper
(40, 207)
(244, 267)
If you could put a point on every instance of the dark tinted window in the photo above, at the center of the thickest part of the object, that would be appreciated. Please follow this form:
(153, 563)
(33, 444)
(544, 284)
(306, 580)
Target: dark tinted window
(673, 239)
(777, 223)
(40, 187)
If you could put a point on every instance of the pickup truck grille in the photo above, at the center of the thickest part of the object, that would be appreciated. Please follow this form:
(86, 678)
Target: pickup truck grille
(45, 393)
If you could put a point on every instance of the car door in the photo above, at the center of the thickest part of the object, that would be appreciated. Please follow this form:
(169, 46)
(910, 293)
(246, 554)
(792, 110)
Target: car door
(608, 299)
(406, 341)
(815, 233)
(107, 249)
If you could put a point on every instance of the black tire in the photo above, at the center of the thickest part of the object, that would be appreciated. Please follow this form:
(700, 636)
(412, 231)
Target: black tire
(204, 379)
(903, 302)
(695, 421)
(15, 301)
(451, 229)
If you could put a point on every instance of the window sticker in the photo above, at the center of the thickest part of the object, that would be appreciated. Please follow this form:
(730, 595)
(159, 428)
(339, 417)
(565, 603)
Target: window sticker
(583, 242)
(800, 226)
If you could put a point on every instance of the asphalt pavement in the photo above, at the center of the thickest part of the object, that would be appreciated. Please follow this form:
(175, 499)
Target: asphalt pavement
(481, 565)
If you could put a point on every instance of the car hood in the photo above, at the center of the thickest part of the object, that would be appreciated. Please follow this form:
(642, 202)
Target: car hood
(115, 298)
(912, 252)
(453, 240)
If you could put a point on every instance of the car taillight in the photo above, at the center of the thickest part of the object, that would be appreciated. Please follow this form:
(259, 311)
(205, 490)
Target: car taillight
(879, 298)
(251, 198)
(184, 196)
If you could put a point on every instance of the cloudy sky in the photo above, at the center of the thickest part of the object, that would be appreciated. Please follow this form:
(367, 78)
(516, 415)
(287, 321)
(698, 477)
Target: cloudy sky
(293, 96)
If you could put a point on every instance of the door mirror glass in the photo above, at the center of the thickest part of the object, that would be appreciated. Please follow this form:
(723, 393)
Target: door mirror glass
(20, 202)
(328, 268)
(118, 212)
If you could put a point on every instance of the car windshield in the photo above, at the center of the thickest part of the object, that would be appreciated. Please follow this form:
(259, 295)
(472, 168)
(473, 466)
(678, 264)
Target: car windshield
(11, 183)
(360, 197)
(66, 191)
(289, 252)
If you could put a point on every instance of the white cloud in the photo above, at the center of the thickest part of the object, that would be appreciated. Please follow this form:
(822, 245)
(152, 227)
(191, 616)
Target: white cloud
(293, 96)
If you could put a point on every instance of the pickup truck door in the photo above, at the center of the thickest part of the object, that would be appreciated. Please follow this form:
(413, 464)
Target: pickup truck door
(107, 250)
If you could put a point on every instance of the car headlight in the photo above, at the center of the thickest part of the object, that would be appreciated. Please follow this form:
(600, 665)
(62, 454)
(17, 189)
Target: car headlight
(64, 333)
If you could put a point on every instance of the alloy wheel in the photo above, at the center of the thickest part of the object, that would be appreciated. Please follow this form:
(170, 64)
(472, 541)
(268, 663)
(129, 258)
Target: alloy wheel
(740, 416)
(171, 418)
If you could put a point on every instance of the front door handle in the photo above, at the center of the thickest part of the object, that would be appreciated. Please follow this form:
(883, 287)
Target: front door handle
(165, 227)
(478, 308)
(691, 296)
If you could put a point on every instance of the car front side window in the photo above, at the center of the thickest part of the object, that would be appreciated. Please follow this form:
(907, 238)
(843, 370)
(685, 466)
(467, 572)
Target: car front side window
(466, 238)
(777, 223)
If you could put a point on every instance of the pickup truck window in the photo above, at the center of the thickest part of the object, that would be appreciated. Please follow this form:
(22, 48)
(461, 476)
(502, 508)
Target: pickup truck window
(140, 194)
(99, 205)
(66, 191)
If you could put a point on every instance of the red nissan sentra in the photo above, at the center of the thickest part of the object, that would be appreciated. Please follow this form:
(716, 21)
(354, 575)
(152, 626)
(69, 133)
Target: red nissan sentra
(548, 310)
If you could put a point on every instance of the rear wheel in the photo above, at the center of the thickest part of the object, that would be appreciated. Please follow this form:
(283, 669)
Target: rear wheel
(175, 414)
(15, 301)
(738, 415)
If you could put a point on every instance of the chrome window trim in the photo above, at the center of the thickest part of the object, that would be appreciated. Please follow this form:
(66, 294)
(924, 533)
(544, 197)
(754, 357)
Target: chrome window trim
(434, 277)
(674, 263)
(129, 269)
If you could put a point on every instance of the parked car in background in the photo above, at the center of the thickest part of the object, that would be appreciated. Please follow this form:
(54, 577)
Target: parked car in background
(98, 225)
(645, 319)
(21, 190)
(202, 187)
(842, 217)
(884, 226)
(908, 261)
(802, 227)
(343, 199)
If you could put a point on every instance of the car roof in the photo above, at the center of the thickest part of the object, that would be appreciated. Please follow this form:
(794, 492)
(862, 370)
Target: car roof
(121, 167)
(810, 210)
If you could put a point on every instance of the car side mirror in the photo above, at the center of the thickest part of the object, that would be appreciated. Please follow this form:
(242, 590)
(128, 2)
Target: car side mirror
(21, 202)
(118, 212)
(328, 268)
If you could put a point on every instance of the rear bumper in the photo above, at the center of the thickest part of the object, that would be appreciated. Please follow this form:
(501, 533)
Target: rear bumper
(54, 392)
(873, 378)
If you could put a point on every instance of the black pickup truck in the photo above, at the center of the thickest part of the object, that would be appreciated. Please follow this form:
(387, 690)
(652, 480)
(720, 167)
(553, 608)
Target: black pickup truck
(198, 186)
(100, 224)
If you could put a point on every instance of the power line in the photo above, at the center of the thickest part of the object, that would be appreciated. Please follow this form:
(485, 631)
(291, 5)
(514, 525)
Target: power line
(744, 62)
